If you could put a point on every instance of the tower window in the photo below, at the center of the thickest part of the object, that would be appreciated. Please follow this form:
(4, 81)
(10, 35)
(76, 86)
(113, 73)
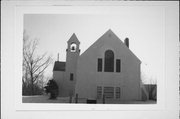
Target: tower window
(73, 47)
(118, 65)
(99, 65)
(71, 77)
(109, 61)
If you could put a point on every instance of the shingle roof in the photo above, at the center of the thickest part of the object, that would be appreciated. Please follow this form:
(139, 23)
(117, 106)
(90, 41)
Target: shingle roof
(59, 66)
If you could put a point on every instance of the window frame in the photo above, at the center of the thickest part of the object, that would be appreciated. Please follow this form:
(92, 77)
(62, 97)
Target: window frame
(109, 61)
(71, 76)
(99, 92)
(100, 65)
(118, 65)
(108, 92)
(117, 92)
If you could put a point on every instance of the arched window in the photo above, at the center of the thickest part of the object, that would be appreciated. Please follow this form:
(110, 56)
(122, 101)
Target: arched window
(73, 47)
(109, 61)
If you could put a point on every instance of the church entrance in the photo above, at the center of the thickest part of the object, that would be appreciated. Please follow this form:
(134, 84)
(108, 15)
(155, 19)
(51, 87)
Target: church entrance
(108, 92)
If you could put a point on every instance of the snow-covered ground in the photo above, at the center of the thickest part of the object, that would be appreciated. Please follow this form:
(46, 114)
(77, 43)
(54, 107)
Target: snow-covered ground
(45, 99)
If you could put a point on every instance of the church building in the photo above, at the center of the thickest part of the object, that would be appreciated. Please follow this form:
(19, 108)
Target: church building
(107, 68)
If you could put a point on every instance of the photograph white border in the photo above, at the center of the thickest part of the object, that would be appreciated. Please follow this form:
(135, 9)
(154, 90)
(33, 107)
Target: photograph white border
(76, 9)
(171, 48)
(9, 107)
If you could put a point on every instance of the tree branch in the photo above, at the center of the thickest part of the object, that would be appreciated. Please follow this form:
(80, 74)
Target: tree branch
(33, 65)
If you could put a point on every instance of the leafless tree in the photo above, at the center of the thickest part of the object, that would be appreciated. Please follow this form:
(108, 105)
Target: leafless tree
(150, 84)
(33, 65)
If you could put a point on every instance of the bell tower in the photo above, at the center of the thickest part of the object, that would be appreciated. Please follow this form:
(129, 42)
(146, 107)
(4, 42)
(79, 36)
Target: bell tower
(72, 54)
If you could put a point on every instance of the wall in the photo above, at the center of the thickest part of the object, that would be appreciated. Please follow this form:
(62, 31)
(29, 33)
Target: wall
(58, 77)
(128, 79)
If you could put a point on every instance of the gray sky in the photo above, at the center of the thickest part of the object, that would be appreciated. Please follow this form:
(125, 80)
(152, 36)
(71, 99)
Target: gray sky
(143, 26)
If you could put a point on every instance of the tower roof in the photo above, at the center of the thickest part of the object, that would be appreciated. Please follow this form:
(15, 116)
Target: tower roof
(73, 39)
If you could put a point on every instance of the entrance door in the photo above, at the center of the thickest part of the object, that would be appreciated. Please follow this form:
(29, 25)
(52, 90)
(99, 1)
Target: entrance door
(109, 92)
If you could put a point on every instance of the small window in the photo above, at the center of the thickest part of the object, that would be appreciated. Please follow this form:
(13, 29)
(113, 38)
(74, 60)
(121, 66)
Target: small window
(99, 92)
(118, 65)
(118, 92)
(99, 65)
(71, 77)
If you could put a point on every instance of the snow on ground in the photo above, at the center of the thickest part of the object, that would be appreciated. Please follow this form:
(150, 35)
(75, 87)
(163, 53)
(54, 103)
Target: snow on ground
(45, 99)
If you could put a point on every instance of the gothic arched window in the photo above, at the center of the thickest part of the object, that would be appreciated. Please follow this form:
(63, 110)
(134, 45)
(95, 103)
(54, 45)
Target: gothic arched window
(109, 61)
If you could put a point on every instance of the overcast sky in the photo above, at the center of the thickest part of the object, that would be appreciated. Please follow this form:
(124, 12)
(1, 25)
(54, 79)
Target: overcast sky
(143, 26)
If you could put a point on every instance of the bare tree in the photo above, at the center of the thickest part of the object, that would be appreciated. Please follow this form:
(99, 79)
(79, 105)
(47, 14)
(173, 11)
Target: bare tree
(147, 77)
(33, 65)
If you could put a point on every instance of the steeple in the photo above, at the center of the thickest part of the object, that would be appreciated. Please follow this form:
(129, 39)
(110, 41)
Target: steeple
(73, 38)
(73, 44)
(72, 55)
(58, 57)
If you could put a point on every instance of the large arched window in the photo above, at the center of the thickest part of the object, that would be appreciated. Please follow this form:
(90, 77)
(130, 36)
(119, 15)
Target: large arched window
(109, 61)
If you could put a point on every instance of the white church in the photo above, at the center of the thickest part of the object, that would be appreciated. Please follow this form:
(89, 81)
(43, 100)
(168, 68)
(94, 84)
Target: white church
(107, 68)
